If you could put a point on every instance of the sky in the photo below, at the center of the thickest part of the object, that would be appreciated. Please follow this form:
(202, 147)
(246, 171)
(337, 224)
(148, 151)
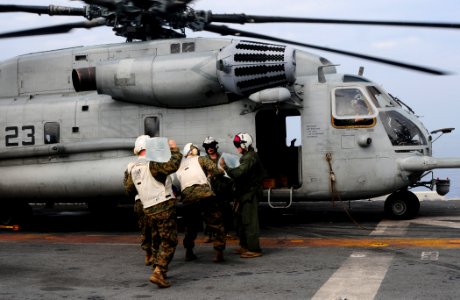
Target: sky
(433, 98)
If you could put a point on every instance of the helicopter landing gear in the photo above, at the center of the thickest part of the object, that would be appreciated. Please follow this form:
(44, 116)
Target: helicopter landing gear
(402, 205)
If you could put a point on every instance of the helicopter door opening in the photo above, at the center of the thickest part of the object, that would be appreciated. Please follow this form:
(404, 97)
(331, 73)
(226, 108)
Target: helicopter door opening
(279, 147)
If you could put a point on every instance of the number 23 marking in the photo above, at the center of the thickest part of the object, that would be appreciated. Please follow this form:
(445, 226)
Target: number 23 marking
(12, 134)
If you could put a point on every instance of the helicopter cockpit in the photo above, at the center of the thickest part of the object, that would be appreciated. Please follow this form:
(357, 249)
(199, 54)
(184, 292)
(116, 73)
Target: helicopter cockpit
(358, 106)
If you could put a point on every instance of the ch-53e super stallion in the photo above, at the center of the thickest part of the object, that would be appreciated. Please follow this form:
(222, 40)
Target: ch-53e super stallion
(69, 117)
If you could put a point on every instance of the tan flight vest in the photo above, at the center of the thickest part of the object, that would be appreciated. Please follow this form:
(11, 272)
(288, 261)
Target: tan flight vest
(150, 191)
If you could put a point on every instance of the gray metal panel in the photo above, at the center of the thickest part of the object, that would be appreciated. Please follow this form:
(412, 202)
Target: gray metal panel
(45, 72)
(9, 78)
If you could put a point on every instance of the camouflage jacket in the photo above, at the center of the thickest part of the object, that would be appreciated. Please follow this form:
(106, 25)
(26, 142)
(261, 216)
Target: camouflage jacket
(222, 185)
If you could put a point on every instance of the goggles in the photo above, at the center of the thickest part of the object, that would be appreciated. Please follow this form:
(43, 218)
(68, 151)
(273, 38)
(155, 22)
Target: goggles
(212, 145)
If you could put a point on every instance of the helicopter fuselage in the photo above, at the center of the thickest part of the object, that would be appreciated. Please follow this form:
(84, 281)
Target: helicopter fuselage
(60, 145)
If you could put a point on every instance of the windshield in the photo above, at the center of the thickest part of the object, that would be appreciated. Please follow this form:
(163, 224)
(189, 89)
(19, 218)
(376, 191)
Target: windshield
(400, 130)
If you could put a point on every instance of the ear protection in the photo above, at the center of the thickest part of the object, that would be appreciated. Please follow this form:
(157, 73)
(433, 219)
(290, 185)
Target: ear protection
(243, 145)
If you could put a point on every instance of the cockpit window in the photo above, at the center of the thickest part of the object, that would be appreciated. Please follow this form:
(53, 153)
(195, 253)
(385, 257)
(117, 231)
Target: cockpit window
(400, 130)
(350, 107)
(378, 98)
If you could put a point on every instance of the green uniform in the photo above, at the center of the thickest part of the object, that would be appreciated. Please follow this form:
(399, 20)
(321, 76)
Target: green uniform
(161, 218)
(200, 203)
(248, 178)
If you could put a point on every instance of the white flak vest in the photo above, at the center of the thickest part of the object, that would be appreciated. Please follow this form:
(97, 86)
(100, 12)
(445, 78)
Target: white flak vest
(190, 173)
(150, 191)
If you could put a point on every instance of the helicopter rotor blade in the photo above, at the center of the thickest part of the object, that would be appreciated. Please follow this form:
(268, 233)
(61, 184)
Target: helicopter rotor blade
(225, 30)
(51, 10)
(243, 19)
(56, 29)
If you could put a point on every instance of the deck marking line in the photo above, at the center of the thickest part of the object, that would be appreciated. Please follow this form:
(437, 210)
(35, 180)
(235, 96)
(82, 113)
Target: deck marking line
(361, 275)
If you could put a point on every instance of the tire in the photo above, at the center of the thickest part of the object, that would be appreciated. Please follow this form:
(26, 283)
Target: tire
(402, 205)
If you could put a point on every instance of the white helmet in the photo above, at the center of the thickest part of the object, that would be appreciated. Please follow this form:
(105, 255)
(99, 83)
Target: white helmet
(242, 140)
(210, 142)
(140, 144)
(188, 148)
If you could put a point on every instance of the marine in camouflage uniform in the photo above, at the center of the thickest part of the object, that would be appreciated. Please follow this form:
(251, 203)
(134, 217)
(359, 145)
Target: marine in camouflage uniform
(248, 178)
(161, 217)
(146, 232)
(200, 203)
(223, 187)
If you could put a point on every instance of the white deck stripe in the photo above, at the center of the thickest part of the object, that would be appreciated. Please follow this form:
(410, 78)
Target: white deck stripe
(358, 278)
(362, 273)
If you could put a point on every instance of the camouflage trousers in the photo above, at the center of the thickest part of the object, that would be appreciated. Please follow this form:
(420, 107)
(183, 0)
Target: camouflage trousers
(163, 226)
(208, 210)
(146, 233)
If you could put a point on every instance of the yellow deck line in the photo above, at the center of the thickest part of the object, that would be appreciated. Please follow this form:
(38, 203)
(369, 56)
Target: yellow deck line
(357, 242)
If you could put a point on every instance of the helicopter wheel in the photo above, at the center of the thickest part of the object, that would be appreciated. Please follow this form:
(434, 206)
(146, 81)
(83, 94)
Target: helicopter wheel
(402, 205)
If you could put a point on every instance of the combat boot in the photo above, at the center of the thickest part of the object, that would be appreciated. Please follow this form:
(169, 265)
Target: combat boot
(149, 258)
(240, 250)
(159, 279)
(189, 255)
(219, 256)
(250, 254)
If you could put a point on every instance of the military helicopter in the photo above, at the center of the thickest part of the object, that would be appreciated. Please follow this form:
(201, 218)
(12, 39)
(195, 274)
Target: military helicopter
(69, 117)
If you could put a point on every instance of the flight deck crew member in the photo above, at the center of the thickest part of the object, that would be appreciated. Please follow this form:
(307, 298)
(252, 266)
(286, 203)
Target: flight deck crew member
(151, 181)
(147, 244)
(248, 178)
(222, 186)
(199, 201)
